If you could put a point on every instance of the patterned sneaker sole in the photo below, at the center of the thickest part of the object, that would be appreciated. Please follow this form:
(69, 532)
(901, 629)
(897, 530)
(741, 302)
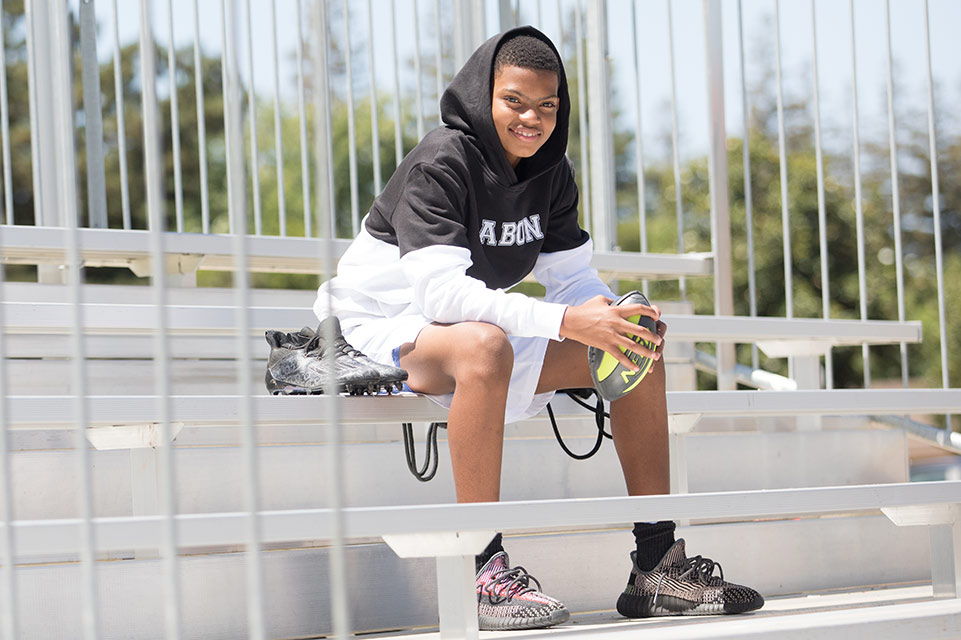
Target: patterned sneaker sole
(277, 388)
(631, 606)
(490, 623)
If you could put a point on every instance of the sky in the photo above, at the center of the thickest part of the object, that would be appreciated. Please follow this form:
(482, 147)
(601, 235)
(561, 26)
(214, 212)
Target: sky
(644, 22)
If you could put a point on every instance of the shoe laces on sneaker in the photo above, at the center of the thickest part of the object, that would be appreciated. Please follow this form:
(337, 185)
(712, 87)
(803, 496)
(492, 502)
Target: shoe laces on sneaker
(698, 568)
(507, 584)
(702, 570)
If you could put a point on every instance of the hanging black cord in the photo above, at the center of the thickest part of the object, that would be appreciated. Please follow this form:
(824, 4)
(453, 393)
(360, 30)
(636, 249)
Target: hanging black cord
(599, 415)
(429, 469)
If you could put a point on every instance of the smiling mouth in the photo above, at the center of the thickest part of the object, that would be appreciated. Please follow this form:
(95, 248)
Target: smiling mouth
(527, 135)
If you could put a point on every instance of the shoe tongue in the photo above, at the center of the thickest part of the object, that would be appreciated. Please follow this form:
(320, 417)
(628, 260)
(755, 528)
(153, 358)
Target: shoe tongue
(330, 321)
(498, 562)
(676, 555)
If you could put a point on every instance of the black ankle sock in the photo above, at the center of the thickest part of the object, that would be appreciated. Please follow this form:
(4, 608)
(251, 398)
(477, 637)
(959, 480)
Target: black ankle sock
(653, 540)
(492, 549)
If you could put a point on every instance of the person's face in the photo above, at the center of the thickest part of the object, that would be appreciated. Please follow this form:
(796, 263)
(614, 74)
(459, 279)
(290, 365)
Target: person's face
(524, 106)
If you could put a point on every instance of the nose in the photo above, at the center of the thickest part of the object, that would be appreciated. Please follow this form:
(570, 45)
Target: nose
(529, 116)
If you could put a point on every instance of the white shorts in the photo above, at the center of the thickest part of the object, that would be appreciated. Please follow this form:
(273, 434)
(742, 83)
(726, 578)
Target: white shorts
(380, 338)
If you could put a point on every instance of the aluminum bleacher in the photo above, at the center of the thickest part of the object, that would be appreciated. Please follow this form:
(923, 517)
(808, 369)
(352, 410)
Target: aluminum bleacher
(150, 487)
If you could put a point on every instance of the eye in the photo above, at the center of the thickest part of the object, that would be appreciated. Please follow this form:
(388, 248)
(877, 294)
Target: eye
(550, 104)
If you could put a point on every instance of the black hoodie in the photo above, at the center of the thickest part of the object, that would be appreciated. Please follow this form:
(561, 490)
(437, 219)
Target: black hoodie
(456, 188)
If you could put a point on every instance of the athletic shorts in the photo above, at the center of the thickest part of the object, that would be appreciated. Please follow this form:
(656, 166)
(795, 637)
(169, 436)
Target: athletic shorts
(381, 338)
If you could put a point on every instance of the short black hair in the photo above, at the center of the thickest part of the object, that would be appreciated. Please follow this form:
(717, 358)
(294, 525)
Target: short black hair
(527, 52)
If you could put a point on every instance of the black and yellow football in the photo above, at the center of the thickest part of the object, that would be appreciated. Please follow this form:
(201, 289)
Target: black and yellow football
(611, 378)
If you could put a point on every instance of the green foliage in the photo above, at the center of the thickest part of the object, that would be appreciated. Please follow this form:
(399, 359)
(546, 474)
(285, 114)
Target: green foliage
(879, 273)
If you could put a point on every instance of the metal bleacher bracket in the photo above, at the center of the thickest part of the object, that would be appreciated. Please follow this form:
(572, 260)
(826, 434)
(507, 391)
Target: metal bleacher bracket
(456, 593)
(944, 526)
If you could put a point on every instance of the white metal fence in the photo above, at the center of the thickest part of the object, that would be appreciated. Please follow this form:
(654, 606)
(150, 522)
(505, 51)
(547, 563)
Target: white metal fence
(300, 110)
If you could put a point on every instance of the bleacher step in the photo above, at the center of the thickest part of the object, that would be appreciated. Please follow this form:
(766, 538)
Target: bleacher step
(210, 466)
(586, 570)
(889, 614)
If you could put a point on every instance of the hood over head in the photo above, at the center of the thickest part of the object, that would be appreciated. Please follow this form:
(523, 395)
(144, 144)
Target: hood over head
(466, 106)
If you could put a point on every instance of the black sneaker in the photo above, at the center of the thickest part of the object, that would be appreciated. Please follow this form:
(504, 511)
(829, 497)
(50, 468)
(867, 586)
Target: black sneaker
(682, 586)
(297, 365)
(391, 378)
(506, 600)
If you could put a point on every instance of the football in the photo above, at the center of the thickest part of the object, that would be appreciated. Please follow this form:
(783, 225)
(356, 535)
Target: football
(611, 378)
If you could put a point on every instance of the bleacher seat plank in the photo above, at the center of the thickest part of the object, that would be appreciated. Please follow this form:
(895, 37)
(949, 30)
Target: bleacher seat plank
(24, 244)
(61, 536)
(59, 411)
(57, 317)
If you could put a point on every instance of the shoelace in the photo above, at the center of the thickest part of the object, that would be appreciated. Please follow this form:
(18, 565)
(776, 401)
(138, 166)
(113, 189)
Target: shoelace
(340, 347)
(515, 582)
(343, 347)
(702, 568)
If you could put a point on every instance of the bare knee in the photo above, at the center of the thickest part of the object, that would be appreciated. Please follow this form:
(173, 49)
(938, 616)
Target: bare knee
(484, 355)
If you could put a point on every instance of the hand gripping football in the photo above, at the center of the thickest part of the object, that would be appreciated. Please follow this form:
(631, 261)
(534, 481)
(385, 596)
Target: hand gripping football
(611, 378)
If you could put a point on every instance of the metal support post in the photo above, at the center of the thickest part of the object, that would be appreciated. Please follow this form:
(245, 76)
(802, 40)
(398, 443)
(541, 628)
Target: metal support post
(456, 591)
(944, 524)
(469, 29)
(717, 170)
(93, 119)
(49, 74)
(601, 141)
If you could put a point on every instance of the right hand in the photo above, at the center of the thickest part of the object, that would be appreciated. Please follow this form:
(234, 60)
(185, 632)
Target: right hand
(598, 324)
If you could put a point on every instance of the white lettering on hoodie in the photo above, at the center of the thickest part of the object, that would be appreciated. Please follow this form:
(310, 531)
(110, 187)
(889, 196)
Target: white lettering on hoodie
(512, 233)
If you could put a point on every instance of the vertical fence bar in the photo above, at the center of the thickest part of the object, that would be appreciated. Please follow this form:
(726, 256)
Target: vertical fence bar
(174, 119)
(351, 127)
(822, 215)
(252, 558)
(93, 117)
(374, 107)
(338, 570)
(438, 60)
(585, 177)
(858, 208)
(302, 109)
(418, 76)
(121, 126)
(895, 190)
(398, 135)
(8, 560)
(782, 157)
(252, 115)
(748, 197)
(8, 586)
(201, 124)
(155, 216)
(718, 181)
(676, 152)
(5, 132)
(560, 28)
(638, 139)
(936, 211)
(278, 133)
(602, 137)
(225, 70)
(60, 49)
(32, 88)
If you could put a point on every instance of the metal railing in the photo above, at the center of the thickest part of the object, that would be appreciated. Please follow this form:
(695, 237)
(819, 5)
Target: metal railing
(316, 53)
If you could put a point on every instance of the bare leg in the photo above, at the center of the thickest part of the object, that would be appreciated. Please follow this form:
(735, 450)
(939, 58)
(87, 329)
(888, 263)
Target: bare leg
(473, 360)
(638, 420)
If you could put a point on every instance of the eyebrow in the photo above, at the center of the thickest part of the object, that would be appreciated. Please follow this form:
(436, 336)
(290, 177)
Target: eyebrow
(523, 95)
